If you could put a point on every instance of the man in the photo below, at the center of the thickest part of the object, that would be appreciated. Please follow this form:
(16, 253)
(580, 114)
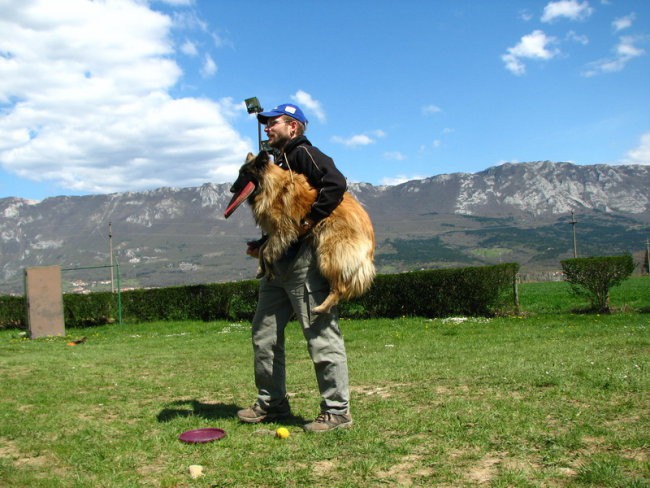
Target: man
(297, 287)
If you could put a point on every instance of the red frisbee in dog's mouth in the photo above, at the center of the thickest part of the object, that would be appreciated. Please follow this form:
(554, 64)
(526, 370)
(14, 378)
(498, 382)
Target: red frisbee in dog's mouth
(239, 198)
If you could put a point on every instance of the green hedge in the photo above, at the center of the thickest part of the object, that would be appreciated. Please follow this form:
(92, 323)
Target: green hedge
(233, 301)
(12, 312)
(476, 291)
(91, 309)
(593, 277)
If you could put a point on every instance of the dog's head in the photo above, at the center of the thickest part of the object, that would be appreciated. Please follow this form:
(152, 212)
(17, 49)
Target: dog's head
(247, 183)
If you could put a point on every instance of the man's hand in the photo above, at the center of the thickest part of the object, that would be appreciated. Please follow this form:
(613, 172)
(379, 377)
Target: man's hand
(253, 247)
(306, 225)
(253, 251)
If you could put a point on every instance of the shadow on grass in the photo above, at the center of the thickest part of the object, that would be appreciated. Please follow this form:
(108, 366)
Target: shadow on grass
(212, 411)
(195, 408)
(608, 311)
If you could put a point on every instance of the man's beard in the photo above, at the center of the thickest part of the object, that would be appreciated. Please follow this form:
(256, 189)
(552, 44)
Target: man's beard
(279, 142)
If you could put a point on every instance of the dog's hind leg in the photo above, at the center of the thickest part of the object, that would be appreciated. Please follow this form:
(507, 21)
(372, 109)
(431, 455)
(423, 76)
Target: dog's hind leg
(330, 301)
(261, 266)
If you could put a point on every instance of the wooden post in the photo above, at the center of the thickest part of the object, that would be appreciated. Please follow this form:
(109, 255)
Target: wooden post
(515, 286)
(44, 301)
(573, 223)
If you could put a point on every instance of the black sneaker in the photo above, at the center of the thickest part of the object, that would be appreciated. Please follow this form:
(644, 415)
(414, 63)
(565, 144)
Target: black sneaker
(256, 413)
(329, 421)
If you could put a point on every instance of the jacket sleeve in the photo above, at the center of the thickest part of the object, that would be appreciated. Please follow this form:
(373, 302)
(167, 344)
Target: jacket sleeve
(325, 177)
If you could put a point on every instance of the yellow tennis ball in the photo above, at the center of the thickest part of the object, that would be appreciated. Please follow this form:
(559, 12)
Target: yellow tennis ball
(282, 433)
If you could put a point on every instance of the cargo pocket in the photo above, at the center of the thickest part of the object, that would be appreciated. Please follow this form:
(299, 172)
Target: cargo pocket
(316, 288)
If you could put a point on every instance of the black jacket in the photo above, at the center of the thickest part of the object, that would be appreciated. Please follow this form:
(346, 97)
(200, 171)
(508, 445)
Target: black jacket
(319, 169)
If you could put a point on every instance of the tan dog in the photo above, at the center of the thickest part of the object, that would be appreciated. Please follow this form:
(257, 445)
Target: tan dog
(344, 241)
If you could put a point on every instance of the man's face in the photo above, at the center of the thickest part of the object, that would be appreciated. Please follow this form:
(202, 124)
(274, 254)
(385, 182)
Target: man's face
(279, 131)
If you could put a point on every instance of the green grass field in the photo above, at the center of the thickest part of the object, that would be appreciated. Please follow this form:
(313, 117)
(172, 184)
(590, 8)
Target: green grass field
(547, 398)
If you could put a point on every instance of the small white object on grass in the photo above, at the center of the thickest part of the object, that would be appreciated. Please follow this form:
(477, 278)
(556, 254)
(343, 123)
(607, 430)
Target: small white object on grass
(196, 470)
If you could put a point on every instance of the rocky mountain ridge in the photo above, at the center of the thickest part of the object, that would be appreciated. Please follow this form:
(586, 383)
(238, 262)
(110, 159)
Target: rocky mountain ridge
(173, 236)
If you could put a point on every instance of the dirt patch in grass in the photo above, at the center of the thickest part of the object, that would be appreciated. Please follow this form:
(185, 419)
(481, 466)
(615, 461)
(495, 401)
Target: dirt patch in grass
(380, 391)
(640, 455)
(406, 471)
(455, 390)
(150, 472)
(323, 468)
(484, 470)
(593, 444)
(10, 451)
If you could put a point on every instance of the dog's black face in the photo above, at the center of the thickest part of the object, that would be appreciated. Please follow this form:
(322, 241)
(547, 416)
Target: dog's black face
(247, 183)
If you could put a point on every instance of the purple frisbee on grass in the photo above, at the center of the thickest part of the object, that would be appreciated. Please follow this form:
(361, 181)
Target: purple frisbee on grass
(199, 436)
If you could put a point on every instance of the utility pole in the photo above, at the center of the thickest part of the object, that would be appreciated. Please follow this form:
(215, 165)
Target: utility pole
(110, 253)
(573, 224)
(646, 261)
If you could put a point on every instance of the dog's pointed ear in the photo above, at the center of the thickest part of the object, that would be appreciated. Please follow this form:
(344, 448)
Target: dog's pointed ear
(262, 159)
(250, 157)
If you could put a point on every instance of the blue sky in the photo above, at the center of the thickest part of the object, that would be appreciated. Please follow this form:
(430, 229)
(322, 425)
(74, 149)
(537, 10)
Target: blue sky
(128, 95)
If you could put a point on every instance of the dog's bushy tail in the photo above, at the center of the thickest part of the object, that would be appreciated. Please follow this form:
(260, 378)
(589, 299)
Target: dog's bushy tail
(346, 250)
(358, 273)
(349, 269)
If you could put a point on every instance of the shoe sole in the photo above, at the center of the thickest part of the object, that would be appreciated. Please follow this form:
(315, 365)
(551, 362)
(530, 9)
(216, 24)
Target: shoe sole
(346, 425)
(267, 417)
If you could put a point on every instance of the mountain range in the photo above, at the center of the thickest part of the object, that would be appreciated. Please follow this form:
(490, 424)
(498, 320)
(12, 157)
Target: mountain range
(521, 212)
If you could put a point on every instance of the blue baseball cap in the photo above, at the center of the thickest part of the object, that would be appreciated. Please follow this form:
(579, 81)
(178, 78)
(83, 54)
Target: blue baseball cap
(284, 109)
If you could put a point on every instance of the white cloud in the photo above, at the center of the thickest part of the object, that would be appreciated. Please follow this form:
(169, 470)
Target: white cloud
(209, 67)
(178, 3)
(187, 20)
(623, 22)
(357, 140)
(399, 179)
(306, 101)
(525, 15)
(513, 64)
(627, 49)
(431, 109)
(395, 156)
(189, 48)
(354, 141)
(571, 9)
(579, 38)
(535, 45)
(87, 105)
(641, 154)
(624, 52)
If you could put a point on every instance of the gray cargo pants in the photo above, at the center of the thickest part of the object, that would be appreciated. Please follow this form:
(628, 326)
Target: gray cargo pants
(297, 287)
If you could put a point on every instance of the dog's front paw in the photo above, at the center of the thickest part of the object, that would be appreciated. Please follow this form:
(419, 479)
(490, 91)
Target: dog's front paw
(265, 270)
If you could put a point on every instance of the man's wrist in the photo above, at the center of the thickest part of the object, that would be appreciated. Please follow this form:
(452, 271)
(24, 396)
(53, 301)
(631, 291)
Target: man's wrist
(306, 223)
